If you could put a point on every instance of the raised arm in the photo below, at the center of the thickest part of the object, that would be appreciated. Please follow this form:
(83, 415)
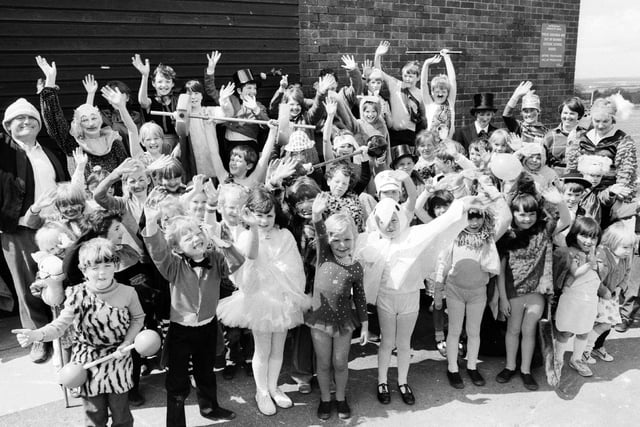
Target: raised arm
(451, 72)
(424, 79)
(209, 75)
(507, 115)
(101, 193)
(327, 148)
(382, 50)
(52, 115)
(259, 174)
(91, 86)
(119, 101)
(274, 104)
(80, 159)
(144, 69)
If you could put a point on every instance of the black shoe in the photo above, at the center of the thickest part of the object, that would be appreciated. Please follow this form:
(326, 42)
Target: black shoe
(455, 379)
(218, 414)
(344, 411)
(248, 369)
(135, 398)
(324, 410)
(529, 382)
(475, 376)
(505, 375)
(384, 396)
(229, 372)
(220, 363)
(407, 394)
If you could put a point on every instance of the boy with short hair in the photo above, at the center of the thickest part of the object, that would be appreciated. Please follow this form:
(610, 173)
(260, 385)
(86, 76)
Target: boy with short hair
(195, 274)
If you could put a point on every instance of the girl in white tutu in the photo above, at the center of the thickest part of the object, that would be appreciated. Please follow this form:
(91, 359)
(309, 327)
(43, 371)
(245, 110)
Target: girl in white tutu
(270, 298)
(578, 304)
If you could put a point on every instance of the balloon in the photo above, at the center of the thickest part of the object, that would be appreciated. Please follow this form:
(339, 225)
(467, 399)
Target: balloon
(147, 343)
(505, 166)
(72, 375)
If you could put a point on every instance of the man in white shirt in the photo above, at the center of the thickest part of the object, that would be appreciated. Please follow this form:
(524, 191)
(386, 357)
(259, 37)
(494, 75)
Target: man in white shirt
(27, 170)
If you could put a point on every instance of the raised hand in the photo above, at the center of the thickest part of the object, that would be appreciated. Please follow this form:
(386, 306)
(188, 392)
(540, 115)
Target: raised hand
(250, 102)
(248, 217)
(143, 67)
(273, 125)
(212, 60)
(326, 82)
(367, 67)
(320, 204)
(114, 97)
(45, 200)
(383, 48)
(522, 89)
(227, 91)
(444, 52)
(80, 157)
(331, 107)
(211, 192)
(90, 84)
(198, 183)
(433, 60)
(129, 165)
(50, 71)
(284, 82)
(552, 195)
(348, 63)
(620, 190)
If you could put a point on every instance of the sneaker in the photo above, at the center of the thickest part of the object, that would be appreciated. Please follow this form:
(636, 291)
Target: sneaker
(40, 352)
(586, 358)
(281, 399)
(580, 367)
(304, 388)
(324, 410)
(505, 375)
(602, 354)
(442, 348)
(344, 411)
(529, 382)
(622, 326)
(265, 404)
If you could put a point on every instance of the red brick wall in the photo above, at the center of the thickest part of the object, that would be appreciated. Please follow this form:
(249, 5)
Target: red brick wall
(500, 41)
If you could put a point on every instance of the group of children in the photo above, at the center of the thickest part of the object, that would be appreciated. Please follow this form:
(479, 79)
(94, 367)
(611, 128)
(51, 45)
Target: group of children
(227, 234)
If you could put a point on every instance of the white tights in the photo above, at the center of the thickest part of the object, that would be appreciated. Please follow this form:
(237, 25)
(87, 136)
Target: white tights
(267, 359)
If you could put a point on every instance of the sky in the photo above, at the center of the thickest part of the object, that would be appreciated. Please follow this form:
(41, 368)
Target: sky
(608, 39)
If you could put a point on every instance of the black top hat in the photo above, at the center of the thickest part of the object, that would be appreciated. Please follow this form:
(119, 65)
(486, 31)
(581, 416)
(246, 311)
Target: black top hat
(576, 177)
(400, 151)
(244, 76)
(483, 102)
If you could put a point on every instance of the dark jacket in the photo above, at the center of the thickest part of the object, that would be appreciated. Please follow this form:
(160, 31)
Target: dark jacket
(466, 135)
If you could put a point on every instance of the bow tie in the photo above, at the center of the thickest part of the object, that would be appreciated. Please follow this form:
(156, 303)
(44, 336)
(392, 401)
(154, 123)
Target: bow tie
(483, 134)
(204, 263)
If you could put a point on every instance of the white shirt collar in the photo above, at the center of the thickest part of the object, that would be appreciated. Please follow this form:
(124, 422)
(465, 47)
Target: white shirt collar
(479, 129)
(26, 147)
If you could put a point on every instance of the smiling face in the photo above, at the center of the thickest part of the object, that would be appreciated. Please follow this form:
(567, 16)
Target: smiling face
(196, 99)
(266, 221)
(475, 157)
(534, 162)
(369, 113)
(483, 118)
(89, 119)
(100, 275)
(137, 183)
(172, 184)
(498, 145)
(475, 221)
(405, 164)
(530, 115)
(250, 89)
(392, 228)
(586, 243)
(70, 211)
(338, 184)
(568, 118)
(426, 149)
(162, 85)
(342, 244)
(153, 144)
(342, 146)
(238, 166)
(24, 128)
(440, 93)
(304, 208)
(192, 243)
(197, 205)
(294, 109)
(409, 77)
(572, 197)
(230, 210)
(524, 220)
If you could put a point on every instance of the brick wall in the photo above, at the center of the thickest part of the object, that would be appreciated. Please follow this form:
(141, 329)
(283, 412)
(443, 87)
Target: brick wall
(500, 41)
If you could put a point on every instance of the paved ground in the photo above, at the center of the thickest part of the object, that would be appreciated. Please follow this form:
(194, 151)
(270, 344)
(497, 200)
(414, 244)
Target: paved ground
(30, 397)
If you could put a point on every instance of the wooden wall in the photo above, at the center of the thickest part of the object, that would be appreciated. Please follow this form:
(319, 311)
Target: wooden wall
(100, 37)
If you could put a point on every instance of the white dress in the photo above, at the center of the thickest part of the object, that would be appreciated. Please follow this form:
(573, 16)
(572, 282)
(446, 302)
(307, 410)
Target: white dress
(578, 304)
(270, 295)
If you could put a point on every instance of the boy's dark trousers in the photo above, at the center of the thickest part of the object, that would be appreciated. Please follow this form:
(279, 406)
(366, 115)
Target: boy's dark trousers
(96, 410)
(199, 344)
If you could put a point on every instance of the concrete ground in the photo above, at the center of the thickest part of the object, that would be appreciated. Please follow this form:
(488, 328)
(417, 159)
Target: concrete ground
(29, 395)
